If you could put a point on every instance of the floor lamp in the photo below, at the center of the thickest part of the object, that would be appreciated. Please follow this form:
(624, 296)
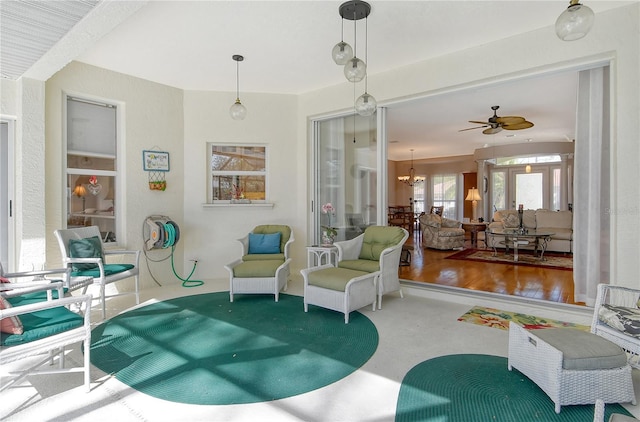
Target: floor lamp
(474, 197)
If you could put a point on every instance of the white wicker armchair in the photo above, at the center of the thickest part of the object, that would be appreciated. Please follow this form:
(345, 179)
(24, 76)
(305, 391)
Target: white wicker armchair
(623, 299)
(349, 256)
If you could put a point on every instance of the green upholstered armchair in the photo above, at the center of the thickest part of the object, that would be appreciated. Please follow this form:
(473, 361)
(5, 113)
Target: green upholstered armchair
(377, 249)
(265, 263)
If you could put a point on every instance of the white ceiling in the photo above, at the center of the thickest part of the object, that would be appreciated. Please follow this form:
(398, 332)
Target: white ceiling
(287, 45)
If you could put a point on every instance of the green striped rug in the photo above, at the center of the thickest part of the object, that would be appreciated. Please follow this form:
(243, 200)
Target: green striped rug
(202, 349)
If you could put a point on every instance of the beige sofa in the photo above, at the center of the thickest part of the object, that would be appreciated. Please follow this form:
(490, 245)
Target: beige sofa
(560, 223)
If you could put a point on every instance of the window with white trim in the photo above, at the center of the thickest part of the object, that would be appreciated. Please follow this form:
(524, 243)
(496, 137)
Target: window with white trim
(237, 173)
(91, 165)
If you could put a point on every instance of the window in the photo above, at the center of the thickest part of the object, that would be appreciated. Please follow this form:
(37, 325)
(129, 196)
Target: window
(91, 165)
(418, 197)
(444, 188)
(238, 173)
(499, 190)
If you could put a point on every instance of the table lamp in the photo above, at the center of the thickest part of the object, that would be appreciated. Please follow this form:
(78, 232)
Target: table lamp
(474, 197)
(80, 191)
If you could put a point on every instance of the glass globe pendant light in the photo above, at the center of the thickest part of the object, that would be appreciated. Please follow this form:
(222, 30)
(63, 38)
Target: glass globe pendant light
(354, 68)
(237, 110)
(366, 105)
(575, 22)
(342, 52)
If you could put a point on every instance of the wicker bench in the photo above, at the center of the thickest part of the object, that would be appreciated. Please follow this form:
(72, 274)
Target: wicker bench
(571, 366)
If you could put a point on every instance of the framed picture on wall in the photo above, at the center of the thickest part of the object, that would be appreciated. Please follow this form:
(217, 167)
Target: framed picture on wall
(155, 160)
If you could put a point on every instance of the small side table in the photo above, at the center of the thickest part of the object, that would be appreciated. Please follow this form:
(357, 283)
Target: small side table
(321, 254)
(474, 229)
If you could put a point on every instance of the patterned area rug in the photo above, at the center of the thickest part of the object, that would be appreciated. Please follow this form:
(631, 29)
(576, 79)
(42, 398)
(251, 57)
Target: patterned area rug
(556, 261)
(480, 388)
(496, 318)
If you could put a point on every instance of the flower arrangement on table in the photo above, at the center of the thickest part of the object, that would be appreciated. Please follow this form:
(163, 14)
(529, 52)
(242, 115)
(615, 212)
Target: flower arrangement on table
(328, 232)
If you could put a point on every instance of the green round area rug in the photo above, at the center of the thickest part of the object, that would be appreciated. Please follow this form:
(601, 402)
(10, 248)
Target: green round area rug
(203, 349)
(480, 388)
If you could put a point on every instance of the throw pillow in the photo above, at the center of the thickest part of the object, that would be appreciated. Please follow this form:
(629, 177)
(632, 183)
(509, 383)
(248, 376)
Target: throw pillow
(90, 247)
(511, 221)
(10, 325)
(264, 243)
(4, 280)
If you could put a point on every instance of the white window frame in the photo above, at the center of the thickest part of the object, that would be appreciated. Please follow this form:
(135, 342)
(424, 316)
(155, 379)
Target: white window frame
(211, 173)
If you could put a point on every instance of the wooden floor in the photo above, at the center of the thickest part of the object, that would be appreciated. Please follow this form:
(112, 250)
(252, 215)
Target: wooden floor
(430, 266)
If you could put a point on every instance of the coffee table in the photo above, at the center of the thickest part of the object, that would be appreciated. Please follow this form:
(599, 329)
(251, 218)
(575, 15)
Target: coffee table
(515, 238)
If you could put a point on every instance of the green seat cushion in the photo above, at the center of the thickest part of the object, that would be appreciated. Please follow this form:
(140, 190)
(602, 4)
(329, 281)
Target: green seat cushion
(41, 324)
(582, 350)
(109, 269)
(333, 278)
(360, 265)
(264, 257)
(378, 238)
(90, 247)
(29, 298)
(250, 269)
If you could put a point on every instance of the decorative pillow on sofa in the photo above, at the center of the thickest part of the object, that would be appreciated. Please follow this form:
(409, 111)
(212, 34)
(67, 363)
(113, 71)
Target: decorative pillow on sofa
(90, 247)
(10, 325)
(264, 243)
(621, 318)
(511, 221)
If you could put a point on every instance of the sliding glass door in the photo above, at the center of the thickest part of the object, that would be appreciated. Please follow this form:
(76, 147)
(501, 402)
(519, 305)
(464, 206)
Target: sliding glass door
(346, 172)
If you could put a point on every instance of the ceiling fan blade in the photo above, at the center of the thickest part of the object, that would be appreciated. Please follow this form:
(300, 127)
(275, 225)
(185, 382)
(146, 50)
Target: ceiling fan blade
(479, 122)
(510, 120)
(471, 128)
(492, 130)
(518, 126)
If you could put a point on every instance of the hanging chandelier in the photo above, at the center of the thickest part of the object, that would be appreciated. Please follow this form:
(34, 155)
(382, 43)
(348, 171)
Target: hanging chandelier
(411, 179)
(237, 110)
(355, 69)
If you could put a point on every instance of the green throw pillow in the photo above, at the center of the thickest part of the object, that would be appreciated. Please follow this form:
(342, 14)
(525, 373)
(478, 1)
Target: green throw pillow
(90, 247)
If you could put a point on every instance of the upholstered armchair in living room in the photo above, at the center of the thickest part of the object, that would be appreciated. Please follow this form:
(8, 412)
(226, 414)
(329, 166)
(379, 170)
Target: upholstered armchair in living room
(441, 232)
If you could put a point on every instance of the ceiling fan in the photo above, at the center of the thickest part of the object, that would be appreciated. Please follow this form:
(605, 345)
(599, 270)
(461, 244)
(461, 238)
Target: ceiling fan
(495, 124)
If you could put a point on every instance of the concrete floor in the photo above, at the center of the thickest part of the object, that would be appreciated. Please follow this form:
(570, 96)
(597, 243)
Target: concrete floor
(420, 326)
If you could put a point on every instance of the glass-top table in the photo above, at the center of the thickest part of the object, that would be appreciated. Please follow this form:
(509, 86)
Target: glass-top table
(515, 238)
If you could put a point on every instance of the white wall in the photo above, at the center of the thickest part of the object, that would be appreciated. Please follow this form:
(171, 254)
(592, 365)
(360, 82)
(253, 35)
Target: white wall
(212, 231)
(153, 120)
(614, 37)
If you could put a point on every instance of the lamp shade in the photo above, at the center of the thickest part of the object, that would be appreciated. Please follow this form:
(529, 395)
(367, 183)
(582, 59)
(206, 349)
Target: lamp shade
(575, 22)
(355, 70)
(342, 53)
(79, 191)
(366, 105)
(238, 111)
(473, 195)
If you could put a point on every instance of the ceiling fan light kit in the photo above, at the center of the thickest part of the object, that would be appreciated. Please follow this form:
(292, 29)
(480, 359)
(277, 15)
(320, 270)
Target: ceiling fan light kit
(575, 22)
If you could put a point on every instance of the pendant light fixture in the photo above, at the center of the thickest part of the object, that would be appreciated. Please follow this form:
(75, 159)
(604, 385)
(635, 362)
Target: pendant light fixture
(237, 110)
(342, 52)
(411, 179)
(365, 104)
(354, 68)
(575, 22)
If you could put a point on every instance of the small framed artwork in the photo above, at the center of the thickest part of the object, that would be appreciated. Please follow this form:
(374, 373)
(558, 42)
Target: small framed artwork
(155, 160)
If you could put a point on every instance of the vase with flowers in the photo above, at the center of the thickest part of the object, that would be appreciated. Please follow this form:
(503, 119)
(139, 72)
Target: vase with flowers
(328, 232)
